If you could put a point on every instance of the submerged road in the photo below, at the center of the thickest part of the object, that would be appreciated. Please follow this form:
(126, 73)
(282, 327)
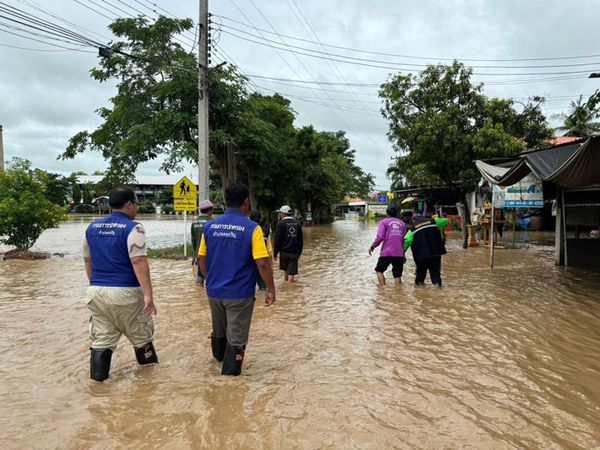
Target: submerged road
(508, 358)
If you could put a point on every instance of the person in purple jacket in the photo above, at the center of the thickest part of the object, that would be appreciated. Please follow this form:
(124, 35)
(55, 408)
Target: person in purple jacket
(391, 232)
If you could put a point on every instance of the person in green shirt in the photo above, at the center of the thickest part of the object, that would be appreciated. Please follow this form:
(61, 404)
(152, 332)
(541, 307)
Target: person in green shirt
(206, 211)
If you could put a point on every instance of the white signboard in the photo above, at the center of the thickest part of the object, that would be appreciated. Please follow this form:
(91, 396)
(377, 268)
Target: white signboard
(527, 193)
(378, 209)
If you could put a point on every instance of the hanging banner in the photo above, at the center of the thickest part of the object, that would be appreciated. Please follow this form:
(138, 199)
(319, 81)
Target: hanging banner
(527, 193)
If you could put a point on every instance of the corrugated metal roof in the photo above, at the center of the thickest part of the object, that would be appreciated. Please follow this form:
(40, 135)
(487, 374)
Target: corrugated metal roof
(569, 166)
(560, 140)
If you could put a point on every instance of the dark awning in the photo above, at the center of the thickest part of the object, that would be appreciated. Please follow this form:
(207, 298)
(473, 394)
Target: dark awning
(568, 166)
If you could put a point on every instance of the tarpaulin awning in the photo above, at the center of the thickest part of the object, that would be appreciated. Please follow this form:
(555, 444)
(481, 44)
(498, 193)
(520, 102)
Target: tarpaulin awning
(569, 166)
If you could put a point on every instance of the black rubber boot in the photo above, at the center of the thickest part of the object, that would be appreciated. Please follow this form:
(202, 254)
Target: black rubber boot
(218, 346)
(233, 359)
(100, 363)
(146, 354)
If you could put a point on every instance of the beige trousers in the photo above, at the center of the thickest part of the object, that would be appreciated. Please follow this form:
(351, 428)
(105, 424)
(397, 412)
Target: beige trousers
(116, 311)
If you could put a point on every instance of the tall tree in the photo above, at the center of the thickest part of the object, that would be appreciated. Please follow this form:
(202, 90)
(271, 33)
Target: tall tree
(581, 120)
(154, 112)
(324, 171)
(440, 122)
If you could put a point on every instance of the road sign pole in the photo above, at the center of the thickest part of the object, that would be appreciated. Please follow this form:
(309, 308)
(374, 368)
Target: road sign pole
(185, 234)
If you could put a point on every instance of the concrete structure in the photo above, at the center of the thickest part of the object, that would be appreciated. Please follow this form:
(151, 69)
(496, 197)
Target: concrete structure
(147, 188)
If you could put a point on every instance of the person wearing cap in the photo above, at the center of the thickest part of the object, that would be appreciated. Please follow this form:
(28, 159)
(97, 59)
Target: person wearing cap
(289, 243)
(391, 232)
(427, 246)
(206, 210)
(232, 254)
(120, 296)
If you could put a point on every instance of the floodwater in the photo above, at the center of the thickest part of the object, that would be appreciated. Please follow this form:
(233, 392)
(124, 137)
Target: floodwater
(508, 358)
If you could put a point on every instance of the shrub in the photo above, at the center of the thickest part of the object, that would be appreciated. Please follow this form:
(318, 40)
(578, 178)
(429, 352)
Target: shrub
(84, 208)
(25, 212)
(147, 208)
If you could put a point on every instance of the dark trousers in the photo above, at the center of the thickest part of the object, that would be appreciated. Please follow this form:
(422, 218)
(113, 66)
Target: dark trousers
(231, 319)
(434, 265)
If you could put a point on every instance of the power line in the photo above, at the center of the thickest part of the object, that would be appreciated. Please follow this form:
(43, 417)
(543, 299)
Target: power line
(36, 6)
(279, 54)
(418, 65)
(308, 71)
(397, 55)
(45, 50)
(385, 64)
(349, 90)
(39, 40)
(21, 17)
(193, 40)
(129, 16)
(31, 33)
(97, 12)
(328, 83)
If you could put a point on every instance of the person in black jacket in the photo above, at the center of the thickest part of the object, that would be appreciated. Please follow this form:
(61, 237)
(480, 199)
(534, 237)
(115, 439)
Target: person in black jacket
(288, 242)
(427, 245)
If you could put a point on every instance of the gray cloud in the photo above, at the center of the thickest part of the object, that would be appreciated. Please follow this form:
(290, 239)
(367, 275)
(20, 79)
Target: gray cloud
(47, 97)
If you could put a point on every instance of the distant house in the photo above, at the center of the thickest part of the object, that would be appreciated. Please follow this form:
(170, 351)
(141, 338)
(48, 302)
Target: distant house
(561, 140)
(147, 188)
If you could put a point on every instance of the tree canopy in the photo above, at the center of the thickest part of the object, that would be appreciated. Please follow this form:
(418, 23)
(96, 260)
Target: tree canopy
(440, 122)
(582, 118)
(154, 113)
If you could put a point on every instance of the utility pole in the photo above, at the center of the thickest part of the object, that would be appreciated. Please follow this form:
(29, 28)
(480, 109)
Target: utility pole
(1, 150)
(203, 163)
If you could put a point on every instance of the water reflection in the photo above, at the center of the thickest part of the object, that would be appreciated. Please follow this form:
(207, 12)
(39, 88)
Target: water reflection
(496, 359)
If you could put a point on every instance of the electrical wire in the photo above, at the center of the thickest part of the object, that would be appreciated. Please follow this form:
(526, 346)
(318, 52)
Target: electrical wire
(18, 16)
(386, 64)
(46, 50)
(341, 118)
(427, 58)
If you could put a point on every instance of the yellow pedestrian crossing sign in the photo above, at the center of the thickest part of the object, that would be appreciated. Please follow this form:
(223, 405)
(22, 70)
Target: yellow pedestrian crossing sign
(185, 195)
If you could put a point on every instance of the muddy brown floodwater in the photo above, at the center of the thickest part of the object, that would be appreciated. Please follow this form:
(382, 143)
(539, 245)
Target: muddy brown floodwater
(508, 358)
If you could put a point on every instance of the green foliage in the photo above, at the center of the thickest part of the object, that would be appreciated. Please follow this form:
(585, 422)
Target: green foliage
(175, 252)
(155, 113)
(25, 210)
(147, 208)
(58, 188)
(439, 123)
(167, 209)
(581, 119)
(83, 208)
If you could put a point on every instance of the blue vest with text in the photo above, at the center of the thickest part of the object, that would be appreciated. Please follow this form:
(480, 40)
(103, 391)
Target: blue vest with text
(231, 270)
(107, 239)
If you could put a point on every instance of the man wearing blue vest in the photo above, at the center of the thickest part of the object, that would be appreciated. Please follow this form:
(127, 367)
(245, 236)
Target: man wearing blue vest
(120, 293)
(232, 253)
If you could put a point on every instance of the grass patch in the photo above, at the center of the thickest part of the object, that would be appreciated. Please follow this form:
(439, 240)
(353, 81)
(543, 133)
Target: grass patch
(175, 252)
(25, 254)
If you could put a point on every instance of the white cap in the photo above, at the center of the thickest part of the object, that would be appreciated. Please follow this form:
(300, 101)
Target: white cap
(205, 204)
(285, 209)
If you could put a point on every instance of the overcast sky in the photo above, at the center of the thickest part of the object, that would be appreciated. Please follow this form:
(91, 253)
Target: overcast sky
(47, 96)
